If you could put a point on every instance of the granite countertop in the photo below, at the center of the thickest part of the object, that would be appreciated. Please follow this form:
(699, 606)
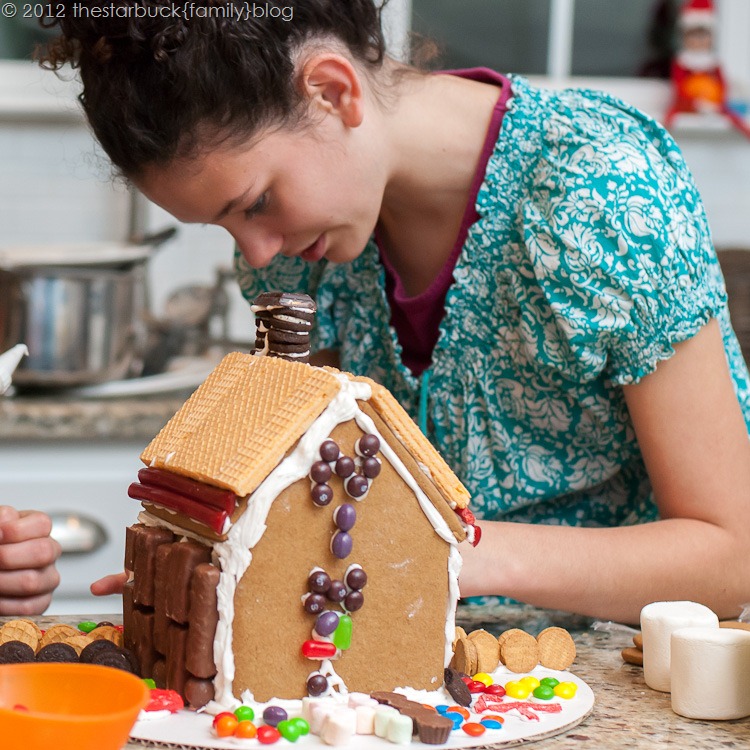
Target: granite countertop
(627, 714)
(46, 418)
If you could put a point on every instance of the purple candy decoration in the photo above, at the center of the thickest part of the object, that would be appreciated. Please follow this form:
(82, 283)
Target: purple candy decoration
(273, 715)
(320, 472)
(329, 451)
(344, 467)
(314, 603)
(368, 445)
(336, 591)
(356, 486)
(345, 516)
(356, 578)
(341, 544)
(326, 623)
(371, 467)
(322, 494)
(354, 601)
(317, 684)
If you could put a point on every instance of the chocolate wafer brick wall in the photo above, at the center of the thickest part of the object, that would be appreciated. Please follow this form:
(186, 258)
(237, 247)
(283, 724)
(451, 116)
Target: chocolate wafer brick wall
(170, 611)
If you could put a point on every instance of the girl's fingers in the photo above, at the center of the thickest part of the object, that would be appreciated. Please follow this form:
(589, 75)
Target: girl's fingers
(29, 583)
(33, 605)
(29, 524)
(112, 584)
(33, 554)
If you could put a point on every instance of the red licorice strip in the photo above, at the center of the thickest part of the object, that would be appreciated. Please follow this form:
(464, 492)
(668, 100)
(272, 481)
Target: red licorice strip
(488, 702)
(194, 490)
(211, 517)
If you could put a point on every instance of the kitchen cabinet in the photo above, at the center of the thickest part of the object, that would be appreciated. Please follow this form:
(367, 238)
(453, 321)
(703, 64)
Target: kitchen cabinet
(83, 486)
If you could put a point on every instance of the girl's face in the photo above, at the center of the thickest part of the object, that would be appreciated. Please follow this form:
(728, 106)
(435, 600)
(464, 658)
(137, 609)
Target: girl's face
(313, 193)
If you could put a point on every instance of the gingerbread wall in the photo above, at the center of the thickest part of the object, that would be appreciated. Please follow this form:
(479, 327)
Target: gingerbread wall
(398, 634)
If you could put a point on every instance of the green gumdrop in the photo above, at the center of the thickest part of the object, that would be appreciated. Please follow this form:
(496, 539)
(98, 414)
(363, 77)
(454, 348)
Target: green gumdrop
(342, 636)
(87, 626)
(544, 692)
(301, 724)
(549, 681)
(289, 730)
(244, 713)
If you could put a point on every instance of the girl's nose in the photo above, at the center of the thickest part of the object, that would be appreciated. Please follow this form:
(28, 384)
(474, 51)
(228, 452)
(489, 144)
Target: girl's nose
(258, 247)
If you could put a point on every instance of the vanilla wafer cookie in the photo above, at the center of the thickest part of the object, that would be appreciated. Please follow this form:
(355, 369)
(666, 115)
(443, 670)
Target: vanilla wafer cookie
(503, 637)
(638, 640)
(488, 650)
(460, 633)
(520, 652)
(632, 655)
(557, 650)
(465, 656)
(108, 633)
(22, 630)
(79, 642)
(58, 634)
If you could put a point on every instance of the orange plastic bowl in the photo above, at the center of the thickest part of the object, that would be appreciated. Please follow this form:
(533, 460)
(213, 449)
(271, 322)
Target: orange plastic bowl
(68, 706)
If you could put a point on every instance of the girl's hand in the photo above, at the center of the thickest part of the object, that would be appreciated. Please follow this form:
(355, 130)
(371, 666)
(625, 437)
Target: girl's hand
(111, 584)
(27, 562)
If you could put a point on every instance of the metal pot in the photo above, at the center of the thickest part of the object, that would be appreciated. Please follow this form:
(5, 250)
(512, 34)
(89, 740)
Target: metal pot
(83, 323)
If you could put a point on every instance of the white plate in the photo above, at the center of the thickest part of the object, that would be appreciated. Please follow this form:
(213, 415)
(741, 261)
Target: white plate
(187, 729)
(187, 373)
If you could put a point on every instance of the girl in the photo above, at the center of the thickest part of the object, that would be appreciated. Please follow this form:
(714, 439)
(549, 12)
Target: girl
(530, 273)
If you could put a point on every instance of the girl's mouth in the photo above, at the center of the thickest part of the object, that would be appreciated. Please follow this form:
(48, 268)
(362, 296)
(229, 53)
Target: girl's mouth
(316, 251)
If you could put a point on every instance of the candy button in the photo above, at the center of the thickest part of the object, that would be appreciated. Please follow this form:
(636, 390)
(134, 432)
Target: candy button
(566, 690)
(484, 678)
(473, 729)
(491, 724)
(318, 650)
(268, 735)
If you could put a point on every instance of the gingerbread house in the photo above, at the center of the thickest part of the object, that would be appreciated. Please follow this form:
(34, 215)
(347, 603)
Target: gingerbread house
(299, 537)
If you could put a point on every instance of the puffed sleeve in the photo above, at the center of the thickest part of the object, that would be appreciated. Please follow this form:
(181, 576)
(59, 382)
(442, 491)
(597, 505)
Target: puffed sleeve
(618, 240)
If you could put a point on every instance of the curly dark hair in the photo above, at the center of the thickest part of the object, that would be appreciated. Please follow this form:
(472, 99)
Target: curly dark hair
(156, 87)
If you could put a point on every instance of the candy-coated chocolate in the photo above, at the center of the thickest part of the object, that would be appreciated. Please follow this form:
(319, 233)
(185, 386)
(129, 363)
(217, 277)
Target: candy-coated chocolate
(551, 681)
(326, 623)
(494, 717)
(530, 681)
(337, 591)
(566, 690)
(491, 724)
(87, 626)
(329, 450)
(149, 683)
(320, 472)
(461, 711)
(314, 604)
(319, 581)
(473, 729)
(317, 684)
(544, 693)
(484, 678)
(301, 724)
(516, 689)
(246, 730)
(273, 715)
(342, 544)
(244, 713)
(442, 708)
(268, 735)
(342, 637)
(345, 516)
(367, 445)
(354, 601)
(356, 578)
(315, 650)
(476, 687)
(356, 486)
(321, 494)
(344, 467)
(371, 467)
(495, 689)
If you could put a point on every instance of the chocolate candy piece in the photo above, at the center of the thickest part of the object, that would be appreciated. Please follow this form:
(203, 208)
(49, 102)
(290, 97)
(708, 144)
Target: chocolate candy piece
(204, 616)
(320, 472)
(161, 584)
(198, 692)
(344, 467)
(354, 601)
(456, 687)
(356, 578)
(317, 684)
(314, 604)
(356, 486)
(326, 623)
(341, 544)
(319, 581)
(127, 614)
(16, 652)
(345, 516)
(159, 675)
(143, 634)
(371, 467)
(337, 591)
(321, 494)
(55, 652)
(367, 445)
(329, 450)
(145, 543)
(183, 560)
(176, 672)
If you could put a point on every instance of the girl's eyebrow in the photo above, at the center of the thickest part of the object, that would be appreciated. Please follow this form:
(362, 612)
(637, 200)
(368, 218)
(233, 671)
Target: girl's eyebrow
(232, 204)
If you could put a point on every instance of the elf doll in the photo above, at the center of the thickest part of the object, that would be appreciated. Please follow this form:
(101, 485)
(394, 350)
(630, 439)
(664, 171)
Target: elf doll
(697, 78)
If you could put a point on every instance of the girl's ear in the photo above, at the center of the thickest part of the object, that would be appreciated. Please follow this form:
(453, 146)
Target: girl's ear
(331, 83)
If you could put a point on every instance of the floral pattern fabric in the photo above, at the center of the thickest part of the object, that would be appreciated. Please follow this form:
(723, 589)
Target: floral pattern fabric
(590, 259)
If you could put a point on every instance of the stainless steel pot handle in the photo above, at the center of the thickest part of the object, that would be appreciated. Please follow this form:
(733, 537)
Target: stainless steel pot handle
(76, 533)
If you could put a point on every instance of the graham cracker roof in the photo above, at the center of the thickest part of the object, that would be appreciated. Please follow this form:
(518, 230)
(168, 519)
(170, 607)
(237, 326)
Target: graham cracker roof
(251, 410)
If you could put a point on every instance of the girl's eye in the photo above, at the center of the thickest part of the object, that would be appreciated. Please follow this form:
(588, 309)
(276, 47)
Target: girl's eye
(258, 207)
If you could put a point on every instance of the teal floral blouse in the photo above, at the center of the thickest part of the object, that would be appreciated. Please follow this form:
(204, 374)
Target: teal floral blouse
(590, 259)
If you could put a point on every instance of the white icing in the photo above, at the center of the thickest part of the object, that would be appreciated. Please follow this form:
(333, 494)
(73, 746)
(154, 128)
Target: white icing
(235, 554)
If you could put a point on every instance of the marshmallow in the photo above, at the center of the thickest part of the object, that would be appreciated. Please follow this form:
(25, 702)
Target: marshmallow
(365, 719)
(383, 716)
(339, 727)
(400, 730)
(711, 673)
(658, 621)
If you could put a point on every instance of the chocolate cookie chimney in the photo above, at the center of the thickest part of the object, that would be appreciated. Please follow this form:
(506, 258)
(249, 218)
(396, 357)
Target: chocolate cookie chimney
(283, 324)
